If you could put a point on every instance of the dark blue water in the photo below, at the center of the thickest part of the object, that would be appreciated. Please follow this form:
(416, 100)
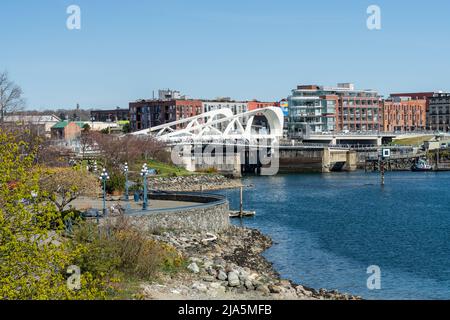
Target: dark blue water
(328, 229)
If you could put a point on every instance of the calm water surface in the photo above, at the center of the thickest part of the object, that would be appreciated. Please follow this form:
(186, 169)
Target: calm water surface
(328, 229)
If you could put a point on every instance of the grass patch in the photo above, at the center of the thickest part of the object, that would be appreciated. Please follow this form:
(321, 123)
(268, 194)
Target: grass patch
(128, 289)
(414, 141)
(170, 170)
(164, 169)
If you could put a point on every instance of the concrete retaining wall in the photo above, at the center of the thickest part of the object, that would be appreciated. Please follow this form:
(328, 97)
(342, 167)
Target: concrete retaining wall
(298, 160)
(211, 216)
(322, 160)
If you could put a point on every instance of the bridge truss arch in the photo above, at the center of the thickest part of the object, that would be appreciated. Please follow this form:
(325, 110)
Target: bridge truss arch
(221, 124)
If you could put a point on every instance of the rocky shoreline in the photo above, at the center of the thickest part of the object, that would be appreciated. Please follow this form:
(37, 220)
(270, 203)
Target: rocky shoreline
(225, 266)
(229, 265)
(194, 183)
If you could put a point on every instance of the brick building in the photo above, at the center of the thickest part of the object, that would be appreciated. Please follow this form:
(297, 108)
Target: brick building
(318, 109)
(66, 130)
(421, 95)
(404, 114)
(145, 114)
(113, 115)
(255, 104)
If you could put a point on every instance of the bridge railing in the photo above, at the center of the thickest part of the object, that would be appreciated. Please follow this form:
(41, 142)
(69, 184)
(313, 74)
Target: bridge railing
(376, 133)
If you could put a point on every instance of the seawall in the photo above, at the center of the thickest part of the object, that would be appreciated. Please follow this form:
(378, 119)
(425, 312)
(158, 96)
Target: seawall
(209, 213)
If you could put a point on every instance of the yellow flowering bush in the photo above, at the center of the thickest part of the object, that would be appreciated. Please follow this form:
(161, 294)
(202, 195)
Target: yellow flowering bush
(34, 256)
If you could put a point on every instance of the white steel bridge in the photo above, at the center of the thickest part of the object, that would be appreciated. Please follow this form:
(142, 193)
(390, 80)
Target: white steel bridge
(221, 125)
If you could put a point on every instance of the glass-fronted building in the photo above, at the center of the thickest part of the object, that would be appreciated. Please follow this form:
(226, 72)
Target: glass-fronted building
(318, 109)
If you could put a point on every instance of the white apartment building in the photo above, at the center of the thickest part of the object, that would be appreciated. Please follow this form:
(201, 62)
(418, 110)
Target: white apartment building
(235, 106)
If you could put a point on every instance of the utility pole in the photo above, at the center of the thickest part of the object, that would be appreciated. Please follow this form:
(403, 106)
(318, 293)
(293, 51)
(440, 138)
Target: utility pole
(144, 174)
(437, 159)
(241, 211)
(385, 154)
(125, 171)
(104, 177)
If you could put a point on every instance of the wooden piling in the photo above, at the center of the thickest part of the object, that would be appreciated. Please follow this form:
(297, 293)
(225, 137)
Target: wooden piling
(241, 211)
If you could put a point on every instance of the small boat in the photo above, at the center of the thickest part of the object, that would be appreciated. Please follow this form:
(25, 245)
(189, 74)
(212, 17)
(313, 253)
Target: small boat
(237, 214)
(421, 165)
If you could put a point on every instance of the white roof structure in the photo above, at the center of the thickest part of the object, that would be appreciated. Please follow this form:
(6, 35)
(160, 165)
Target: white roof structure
(33, 119)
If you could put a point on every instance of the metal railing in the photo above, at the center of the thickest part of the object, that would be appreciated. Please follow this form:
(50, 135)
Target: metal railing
(215, 200)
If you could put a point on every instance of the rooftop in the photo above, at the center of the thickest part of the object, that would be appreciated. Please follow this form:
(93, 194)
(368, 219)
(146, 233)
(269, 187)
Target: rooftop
(37, 119)
(63, 124)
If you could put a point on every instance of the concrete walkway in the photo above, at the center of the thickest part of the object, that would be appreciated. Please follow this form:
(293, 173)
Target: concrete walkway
(85, 203)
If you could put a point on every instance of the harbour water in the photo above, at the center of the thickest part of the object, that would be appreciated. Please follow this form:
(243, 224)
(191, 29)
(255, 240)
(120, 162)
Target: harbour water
(329, 228)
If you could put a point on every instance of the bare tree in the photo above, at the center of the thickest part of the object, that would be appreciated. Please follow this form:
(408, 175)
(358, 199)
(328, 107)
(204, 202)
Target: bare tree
(10, 96)
(116, 150)
(87, 140)
(64, 185)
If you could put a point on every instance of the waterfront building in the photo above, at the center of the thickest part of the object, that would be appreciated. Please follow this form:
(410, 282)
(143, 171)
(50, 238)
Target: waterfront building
(225, 103)
(145, 114)
(113, 115)
(255, 104)
(320, 109)
(419, 95)
(439, 112)
(404, 114)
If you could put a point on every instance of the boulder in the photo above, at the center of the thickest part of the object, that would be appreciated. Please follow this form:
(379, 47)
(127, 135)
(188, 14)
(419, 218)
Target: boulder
(194, 259)
(249, 285)
(211, 271)
(243, 276)
(209, 278)
(219, 263)
(222, 276)
(275, 289)
(263, 289)
(233, 279)
(193, 267)
(200, 287)
(285, 283)
(217, 286)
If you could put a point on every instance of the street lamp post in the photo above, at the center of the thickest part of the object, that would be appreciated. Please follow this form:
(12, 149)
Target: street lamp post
(144, 174)
(104, 177)
(126, 170)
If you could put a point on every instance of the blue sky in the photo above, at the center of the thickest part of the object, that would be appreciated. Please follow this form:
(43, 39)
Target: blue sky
(244, 49)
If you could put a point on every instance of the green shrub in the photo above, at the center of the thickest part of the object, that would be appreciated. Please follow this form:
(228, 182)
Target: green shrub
(120, 249)
(145, 257)
(116, 183)
(102, 254)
